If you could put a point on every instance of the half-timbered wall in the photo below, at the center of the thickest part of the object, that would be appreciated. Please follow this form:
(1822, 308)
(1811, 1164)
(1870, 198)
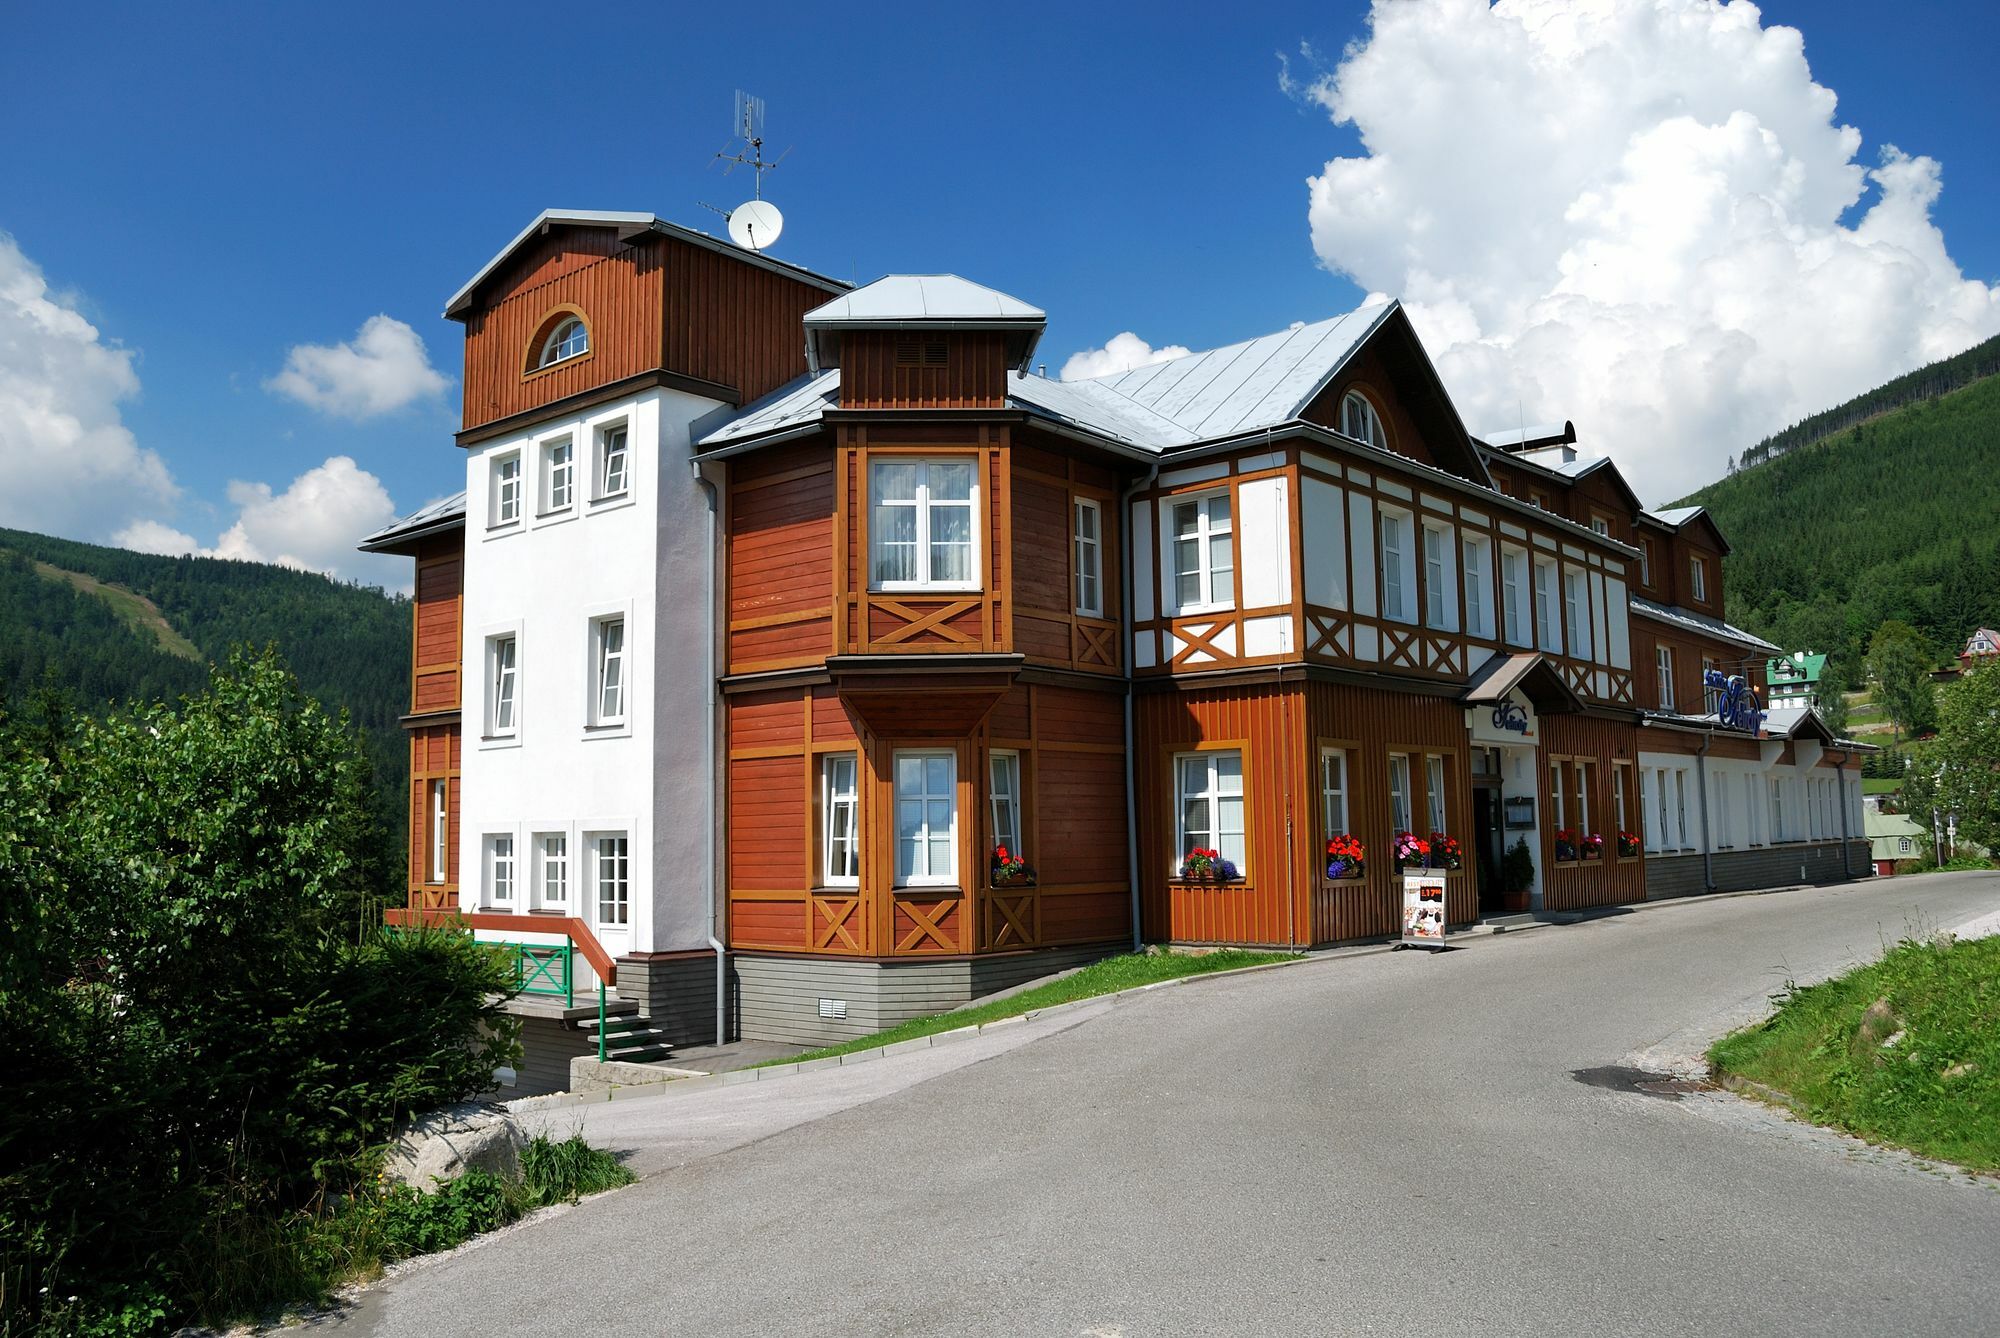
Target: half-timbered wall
(435, 689)
(1049, 626)
(1070, 743)
(1690, 651)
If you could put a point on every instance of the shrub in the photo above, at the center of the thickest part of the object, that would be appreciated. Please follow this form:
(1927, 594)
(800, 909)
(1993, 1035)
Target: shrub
(567, 1171)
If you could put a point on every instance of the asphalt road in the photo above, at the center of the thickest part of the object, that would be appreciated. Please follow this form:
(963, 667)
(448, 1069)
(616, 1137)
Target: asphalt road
(1381, 1143)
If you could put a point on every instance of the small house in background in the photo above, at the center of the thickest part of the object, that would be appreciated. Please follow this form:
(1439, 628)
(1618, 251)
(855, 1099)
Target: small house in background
(1795, 677)
(1983, 645)
(1893, 837)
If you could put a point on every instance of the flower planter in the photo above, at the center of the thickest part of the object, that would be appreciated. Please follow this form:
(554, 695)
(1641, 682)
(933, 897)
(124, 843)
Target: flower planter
(1345, 870)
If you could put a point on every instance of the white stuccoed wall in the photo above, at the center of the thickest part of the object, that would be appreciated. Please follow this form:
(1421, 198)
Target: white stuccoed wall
(643, 556)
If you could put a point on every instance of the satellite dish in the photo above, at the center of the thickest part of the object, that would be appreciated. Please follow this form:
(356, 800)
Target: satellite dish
(755, 224)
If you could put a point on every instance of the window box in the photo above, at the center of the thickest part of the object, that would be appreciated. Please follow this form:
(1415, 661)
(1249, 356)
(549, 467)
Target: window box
(1629, 845)
(1205, 865)
(1346, 860)
(1593, 848)
(1007, 869)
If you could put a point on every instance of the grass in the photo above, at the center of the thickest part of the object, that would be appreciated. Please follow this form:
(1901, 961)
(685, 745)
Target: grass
(134, 610)
(1105, 977)
(1880, 785)
(1934, 1091)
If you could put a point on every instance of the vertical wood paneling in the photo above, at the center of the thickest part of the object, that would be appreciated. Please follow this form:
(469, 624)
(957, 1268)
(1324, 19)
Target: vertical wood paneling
(1607, 881)
(974, 375)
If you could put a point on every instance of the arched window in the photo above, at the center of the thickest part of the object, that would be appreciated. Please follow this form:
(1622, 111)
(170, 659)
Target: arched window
(1358, 420)
(567, 340)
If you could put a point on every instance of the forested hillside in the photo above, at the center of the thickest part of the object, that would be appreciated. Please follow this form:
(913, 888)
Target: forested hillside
(106, 626)
(1891, 519)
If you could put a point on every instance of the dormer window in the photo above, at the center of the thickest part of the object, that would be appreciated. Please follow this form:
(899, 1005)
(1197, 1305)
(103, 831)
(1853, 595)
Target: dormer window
(568, 340)
(1359, 420)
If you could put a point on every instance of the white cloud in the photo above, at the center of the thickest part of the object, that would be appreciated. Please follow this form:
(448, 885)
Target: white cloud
(70, 464)
(1121, 353)
(1631, 215)
(382, 369)
(312, 525)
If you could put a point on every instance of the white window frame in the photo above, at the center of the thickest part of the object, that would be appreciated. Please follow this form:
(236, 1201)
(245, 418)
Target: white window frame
(1778, 810)
(1400, 813)
(558, 476)
(613, 448)
(1698, 576)
(1004, 806)
(1663, 675)
(551, 346)
(501, 858)
(1207, 530)
(1434, 779)
(551, 866)
(1476, 554)
(1232, 845)
(840, 854)
(1556, 790)
(440, 796)
(1681, 806)
(1645, 561)
(923, 505)
(1359, 420)
(610, 877)
(1087, 550)
(503, 685)
(1548, 613)
(1514, 595)
(602, 657)
(1398, 561)
(507, 506)
(1576, 610)
(1600, 527)
(1440, 578)
(1333, 811)
(925, 876)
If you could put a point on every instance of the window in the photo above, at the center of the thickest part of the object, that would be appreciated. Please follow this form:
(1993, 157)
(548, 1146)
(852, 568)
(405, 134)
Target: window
(1663, 671)
(440, 832)
(501, 682)
(1558, 803)
(1398, 568)
(1698, 577)
(612, 466)
(613, 874)
(1478, 586)
(1548, 623)
(1359, 420)
(1584, 775)
(500, 870)
(1089, 559)
(507, 490)
(1204, 563)
(1399, 793)
(567, 340)
(607, 695)
(1005, 798)
(558, 476)
(1711, 697)
(1332, 793)
(1681, 806)
(1209, 804)
(1434, 790)
(840, 833)
(1600, 526)
(1777, 809)
(552, 880)
(1513, 591)
(1645, 562)
(920, 524)
(926, 819)
(1666, 840)
(1440, 580)
(1621, 799)
(1576, 613)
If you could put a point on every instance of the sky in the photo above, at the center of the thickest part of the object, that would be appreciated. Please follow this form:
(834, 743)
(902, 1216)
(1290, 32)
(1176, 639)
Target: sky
(227, 232)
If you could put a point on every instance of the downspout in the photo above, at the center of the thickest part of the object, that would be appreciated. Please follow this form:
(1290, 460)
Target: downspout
(1707, 841)
(714, 781)
(1125, 651)
(1840, 769)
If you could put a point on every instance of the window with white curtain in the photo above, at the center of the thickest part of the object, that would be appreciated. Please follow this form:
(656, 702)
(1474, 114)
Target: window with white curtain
(1209, 804)
(923, 524)
(1399, 793)
(1204, 562)
(926, 784)
(1548, 621)
(1478, 562)
(1576, 605)
(1514, 595)
(1440, 579)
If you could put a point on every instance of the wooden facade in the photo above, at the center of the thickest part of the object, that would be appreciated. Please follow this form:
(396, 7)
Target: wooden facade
(433, 725)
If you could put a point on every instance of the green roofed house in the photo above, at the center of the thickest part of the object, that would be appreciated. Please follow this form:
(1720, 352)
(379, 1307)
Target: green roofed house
(1795, 676)
(1892, 837)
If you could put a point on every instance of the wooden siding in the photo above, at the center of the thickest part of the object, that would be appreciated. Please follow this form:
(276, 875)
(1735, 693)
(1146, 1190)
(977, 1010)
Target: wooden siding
(658, 303)
(1689, 648)
(434, 756)
(1608, 880)
(779, 560)
(1047, 485)
(1070, 744)
(437, 625)
(972, 376)
(1369, 374)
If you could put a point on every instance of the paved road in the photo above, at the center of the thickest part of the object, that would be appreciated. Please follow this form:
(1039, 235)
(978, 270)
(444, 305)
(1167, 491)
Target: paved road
(1387, 1143)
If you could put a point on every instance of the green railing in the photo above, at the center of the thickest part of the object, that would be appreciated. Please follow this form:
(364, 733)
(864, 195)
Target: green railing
(545, 968)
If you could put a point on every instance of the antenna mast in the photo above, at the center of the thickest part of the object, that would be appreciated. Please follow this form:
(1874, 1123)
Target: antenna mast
(750, 153)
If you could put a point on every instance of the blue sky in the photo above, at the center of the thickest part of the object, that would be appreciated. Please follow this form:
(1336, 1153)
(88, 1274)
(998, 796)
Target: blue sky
(211, 186)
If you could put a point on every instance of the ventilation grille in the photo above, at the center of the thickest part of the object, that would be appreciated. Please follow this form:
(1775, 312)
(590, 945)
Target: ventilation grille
(833, 1008)
(920, 351)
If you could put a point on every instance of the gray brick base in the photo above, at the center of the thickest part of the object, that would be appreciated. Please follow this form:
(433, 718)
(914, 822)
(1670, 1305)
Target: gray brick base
(1744, 870)
(677, 993)
(779, 997)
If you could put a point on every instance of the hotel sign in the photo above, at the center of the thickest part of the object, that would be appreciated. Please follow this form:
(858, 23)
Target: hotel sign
(1509, 722)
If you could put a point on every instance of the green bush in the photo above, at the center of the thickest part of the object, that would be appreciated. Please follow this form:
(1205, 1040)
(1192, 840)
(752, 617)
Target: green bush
(1517, 867)
(565, 1172)
(455, 1212)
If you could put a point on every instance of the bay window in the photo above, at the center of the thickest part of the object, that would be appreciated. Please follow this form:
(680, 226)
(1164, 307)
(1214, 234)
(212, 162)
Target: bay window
(1208, 805)
(1204, 562)
(926, 783)
(922, 525)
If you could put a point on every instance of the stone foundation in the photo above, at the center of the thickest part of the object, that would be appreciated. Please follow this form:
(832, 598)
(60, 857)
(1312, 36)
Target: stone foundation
(1764, 866)
(677, 992)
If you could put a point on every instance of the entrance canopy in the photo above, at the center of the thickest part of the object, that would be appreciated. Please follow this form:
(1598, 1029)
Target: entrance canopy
(1528, 673)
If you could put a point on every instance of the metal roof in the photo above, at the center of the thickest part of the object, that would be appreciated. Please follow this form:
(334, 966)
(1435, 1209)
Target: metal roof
(797, 403)
(1676, 517)
(444, 514)
(1248, 386)
(940, 300)
(1535, 434)
(629, 225)
(1700, 622)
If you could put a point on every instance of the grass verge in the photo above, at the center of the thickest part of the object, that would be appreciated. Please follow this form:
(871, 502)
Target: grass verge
(1905, 1052)
(1105, 977)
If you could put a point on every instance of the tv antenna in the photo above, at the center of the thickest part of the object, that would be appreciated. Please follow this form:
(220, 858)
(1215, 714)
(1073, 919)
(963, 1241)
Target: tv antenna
(755, 224)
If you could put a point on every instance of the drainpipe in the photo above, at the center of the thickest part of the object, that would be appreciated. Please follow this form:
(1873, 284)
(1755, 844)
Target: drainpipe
(1707, 841)
(714, 781)
(1840, 770)
(1125, 651)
